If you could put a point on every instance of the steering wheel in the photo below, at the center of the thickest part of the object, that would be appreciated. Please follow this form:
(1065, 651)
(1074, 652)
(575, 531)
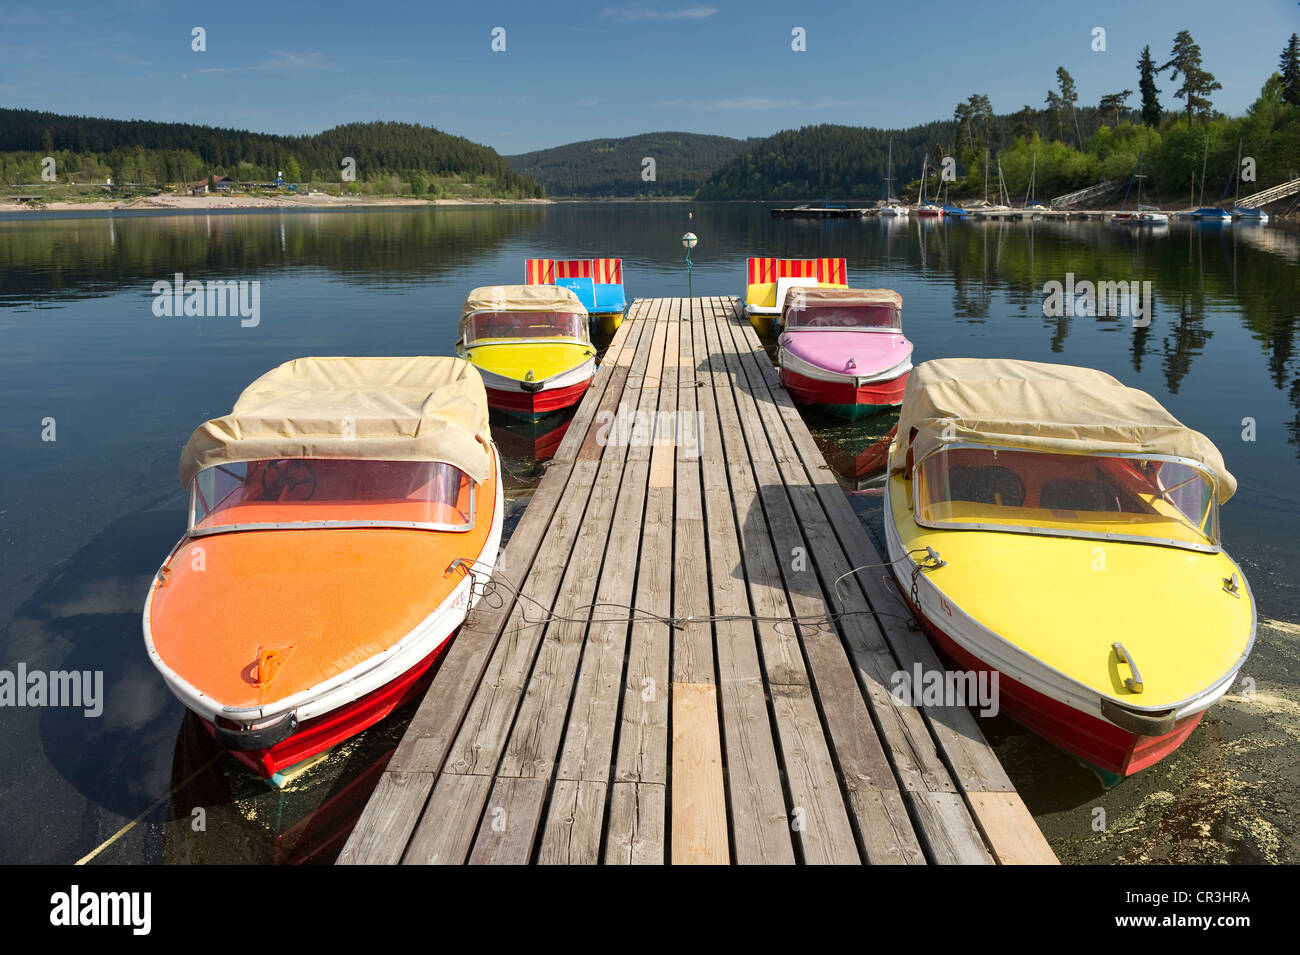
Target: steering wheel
(1011, 481)
(282, 478)
(1001, 486)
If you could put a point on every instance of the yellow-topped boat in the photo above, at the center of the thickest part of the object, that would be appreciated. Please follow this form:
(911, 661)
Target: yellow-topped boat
(1050, 524)
(531, 344)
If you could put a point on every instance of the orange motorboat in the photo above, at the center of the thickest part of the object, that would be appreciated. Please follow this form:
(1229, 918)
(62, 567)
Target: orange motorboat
(341, 519)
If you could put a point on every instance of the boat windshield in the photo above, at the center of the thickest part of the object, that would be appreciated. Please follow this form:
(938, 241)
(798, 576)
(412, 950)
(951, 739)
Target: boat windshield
(884, 318)
(498, 325)
(1078, 495)
(300, 492)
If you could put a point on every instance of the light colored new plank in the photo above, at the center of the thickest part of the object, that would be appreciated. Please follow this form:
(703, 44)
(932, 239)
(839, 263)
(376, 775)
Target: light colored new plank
(699, 813)
(1010, 829)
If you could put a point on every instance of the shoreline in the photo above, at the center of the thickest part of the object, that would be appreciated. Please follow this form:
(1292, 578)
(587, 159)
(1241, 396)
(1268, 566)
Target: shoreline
(177, 203)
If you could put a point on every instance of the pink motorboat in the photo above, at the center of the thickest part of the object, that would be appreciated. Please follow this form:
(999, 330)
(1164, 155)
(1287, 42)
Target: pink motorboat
(844, 349)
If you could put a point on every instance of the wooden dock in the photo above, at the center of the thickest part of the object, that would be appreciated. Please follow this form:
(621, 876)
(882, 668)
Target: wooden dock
(742, 712)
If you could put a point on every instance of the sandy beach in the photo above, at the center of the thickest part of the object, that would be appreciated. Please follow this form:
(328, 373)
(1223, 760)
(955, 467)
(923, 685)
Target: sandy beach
(218, 203)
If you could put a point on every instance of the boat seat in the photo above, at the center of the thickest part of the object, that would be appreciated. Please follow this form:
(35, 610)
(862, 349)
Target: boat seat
(1072, 494)
(986, 485)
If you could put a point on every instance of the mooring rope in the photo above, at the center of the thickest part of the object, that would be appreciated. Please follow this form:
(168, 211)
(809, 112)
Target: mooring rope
(487, 586)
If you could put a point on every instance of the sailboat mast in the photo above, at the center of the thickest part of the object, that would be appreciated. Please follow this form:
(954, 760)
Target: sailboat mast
(889, 173)
(1236, 174)
(1203, 161)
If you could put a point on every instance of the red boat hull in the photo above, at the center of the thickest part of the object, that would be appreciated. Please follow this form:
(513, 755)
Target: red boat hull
(875, 394)
(1097, 742)
(315, 736)
(538, 402)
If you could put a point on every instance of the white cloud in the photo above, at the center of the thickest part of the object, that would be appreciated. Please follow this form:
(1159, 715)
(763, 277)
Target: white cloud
(280, 61)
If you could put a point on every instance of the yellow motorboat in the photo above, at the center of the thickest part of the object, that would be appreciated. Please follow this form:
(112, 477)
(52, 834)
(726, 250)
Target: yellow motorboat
(1051, 525)
(531, 344)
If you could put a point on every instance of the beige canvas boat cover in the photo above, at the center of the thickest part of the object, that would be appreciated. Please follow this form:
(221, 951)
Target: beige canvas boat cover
(1041, 407)
(800, 298)
(520, 298)
(375, 409)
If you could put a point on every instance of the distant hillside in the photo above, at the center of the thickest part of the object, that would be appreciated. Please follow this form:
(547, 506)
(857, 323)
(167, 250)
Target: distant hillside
(613, 167)
(835, 162)
(157, 153)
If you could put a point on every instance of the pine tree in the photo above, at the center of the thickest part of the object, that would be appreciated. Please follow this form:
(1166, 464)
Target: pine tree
(1069, 97)
(1114, 102)
(1147, 85)
(1057, 108)
(1290, 69)
(1185, 60)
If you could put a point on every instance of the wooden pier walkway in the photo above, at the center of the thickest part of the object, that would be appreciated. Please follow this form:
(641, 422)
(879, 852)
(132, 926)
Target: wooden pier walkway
(743, 712)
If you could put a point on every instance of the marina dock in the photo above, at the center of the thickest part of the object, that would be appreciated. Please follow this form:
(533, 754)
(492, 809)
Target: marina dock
(688, 652)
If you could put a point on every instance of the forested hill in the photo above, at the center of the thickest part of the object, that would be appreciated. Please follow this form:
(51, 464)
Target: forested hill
(614, 167)
(158, 153)
(835, 162)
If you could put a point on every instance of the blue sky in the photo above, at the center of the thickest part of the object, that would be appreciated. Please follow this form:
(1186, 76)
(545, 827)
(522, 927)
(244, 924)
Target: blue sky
(573, 71)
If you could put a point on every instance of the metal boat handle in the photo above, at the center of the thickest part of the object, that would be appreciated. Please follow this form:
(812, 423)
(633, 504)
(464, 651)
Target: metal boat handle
(1134, 683)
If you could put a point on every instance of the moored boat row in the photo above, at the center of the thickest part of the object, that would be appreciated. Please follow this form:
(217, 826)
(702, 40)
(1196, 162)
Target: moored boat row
(1045, 523)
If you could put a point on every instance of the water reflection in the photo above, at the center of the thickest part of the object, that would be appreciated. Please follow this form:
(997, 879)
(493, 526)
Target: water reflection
(526, 446)
(219, 813)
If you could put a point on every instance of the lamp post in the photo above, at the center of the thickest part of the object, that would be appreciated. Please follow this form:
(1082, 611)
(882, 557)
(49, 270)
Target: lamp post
(688, 242)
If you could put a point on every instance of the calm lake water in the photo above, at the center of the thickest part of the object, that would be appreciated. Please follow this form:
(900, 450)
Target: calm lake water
(85, 519)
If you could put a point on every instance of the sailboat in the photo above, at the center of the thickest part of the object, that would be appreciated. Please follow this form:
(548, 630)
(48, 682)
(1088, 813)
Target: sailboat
(891, 206)
(925, 208)
(1033, 206)
(1211, 214)
(950, 209)
(989, 210)
(1246, 215)
(1145, 215)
